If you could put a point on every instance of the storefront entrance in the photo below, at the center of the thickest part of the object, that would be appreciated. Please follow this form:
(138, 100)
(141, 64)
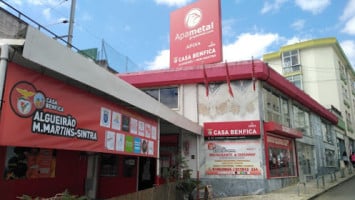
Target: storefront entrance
(147, 173)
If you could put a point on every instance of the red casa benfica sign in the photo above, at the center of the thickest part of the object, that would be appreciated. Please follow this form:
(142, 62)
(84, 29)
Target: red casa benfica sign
(44, 112)
(232, 129)
(195, 34)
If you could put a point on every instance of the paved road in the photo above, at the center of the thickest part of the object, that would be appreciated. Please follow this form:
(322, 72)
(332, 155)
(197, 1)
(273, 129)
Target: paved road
(344, 191)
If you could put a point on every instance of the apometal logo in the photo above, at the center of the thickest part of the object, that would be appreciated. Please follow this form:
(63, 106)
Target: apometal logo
(193, 17)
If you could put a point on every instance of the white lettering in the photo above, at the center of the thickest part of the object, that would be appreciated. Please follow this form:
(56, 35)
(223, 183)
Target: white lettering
(204, 53)
(234, 132)
(193, 33)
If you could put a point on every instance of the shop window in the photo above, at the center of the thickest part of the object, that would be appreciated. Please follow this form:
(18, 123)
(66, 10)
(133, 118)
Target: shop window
(305, 159)
(29, 163)
(167, 96)
(301, 120)
(168, 153)
(109, 165)
(330, 158)
(326, 133)
(272, 105)
(129, 168)
(276, 108)
(168, 164)
(285, 112)
(281, 157)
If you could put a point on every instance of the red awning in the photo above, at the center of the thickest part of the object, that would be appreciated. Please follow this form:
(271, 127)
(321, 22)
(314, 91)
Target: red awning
(276, 128)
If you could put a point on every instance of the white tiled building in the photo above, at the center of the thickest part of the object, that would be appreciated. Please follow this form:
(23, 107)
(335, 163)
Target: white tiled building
(321, 69)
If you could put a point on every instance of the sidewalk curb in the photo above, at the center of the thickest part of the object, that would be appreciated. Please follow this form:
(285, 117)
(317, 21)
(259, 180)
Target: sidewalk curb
(331, 187)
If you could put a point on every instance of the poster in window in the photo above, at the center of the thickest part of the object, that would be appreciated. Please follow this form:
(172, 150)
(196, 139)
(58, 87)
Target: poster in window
(148, 130)
(144, 146)
(125, 123)
(129, 144)
(29, 163)
(141, 128)
(154, 132)
(120, 139)
(150, 148)
(134, 124)
(110, 140)
(105, 119)
(137, 145)
(116, 120)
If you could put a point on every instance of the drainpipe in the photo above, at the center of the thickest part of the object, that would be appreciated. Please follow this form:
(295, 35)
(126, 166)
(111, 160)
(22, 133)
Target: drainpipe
(4, 57)
(158, 175)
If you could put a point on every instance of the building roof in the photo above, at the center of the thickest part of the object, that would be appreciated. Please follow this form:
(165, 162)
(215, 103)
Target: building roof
(50, 57)
(330, 41)
(217, 73)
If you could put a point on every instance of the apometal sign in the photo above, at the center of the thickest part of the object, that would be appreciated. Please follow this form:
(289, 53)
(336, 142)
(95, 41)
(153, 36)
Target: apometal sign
(195, 34)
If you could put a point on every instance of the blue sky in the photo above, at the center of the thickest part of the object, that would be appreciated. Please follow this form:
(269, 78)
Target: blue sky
(139, 29)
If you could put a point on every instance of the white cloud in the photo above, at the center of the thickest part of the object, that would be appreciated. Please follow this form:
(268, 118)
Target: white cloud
(161, 61)
(349, 49)
(349, 26)
(127, 28)
(295, 40)
(313, 6)
(275, 6)
(47, 13)
(44, 2)
(86, 17)
(36, 2)
(298, 24)
(245, 47)
(349, 10)
(172, 2)
(348, 17)
(227, 27)
(248, 45)
(16, 2)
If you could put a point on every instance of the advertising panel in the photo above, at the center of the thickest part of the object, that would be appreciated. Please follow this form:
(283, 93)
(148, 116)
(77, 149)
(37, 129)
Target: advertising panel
(43, 112)
(219, 106)
(232, 158)
(195, 34)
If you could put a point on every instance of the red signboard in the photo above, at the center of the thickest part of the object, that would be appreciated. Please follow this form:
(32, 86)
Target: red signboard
(40, 111)
(232, 129)
(274, 127)
(195, 34)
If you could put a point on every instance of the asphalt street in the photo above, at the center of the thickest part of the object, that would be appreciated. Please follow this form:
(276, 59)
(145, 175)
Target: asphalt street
(343, 191)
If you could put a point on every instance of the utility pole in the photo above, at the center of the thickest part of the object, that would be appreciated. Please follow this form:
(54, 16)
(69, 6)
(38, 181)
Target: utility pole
(71, 23)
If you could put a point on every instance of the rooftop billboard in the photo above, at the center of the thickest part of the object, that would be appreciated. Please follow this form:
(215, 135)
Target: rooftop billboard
(195, 34)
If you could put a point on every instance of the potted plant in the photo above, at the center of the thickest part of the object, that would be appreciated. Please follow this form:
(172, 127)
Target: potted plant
(184, 183)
